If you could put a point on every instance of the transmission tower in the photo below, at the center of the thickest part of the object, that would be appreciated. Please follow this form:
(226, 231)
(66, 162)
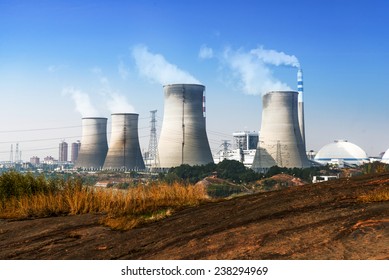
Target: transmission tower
(153, 144)
(224, 149)
(279, 156)
(17, 154)
(11, 154)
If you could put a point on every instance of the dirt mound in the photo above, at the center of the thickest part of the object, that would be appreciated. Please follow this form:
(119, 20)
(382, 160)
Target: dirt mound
(316, 221)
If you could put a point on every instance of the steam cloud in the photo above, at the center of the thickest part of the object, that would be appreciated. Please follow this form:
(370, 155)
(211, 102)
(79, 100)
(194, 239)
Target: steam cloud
(205, 52)
(275, 58)
(157, 69)
(82, 101)
(117, 103)
(252, 68)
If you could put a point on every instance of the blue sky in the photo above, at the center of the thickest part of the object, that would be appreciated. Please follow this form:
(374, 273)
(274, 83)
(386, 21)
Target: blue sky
(53, 51)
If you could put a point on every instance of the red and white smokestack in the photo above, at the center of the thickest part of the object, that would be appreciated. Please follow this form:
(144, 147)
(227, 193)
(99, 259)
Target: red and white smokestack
(300, 89)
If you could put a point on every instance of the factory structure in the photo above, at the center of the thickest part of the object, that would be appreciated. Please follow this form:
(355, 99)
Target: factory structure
(280, 142)
(341, 153)
(124, 150)
(94, 145)
(243, 148)
(183, 138)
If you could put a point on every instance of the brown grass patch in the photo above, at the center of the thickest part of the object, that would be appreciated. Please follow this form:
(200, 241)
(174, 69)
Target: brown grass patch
(375, 196)
(124, 209)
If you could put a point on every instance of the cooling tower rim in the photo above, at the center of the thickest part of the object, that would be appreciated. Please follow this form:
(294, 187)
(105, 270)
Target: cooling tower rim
(281, 91)
(124, 114)
(94, 118)
(176, 85)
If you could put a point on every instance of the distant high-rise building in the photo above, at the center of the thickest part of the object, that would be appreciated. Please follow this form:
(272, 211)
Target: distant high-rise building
(75, 149)
(63, 151)
(35, 160)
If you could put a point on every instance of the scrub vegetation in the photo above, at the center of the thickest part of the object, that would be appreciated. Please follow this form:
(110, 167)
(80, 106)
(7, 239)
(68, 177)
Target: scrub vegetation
(26, 196)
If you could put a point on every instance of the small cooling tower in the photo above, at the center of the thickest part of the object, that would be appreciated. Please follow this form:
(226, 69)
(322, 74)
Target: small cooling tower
(94, 144)
(183, 138)
(124, 150)
(280, 142)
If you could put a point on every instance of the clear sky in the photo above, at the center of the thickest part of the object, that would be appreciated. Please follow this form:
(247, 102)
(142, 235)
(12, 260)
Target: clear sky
(60, 60)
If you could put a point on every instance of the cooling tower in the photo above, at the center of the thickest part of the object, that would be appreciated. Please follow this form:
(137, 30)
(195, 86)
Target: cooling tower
(183, 138)
(124, 150)
(280, 142)
(94, 144)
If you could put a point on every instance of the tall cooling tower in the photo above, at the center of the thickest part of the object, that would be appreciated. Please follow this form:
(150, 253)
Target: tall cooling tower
(183, 138)
(124, 149)
(94, 144)
(280, 142)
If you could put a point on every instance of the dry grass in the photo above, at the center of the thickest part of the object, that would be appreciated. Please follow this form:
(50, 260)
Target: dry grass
(123, 209)
(375, 196)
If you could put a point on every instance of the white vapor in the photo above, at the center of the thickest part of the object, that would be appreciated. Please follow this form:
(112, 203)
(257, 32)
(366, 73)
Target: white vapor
(82, 101)
(123, 70)
(116, 103)
(205, 52)
(275, 58)
(157, 69)
(254, 75)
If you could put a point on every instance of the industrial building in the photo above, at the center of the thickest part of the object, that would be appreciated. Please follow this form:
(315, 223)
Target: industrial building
(341, 153)
(243, 148)
(63, 152)
(124, 150)
(94, 145)
(280, 142)
(183, 138)
(76, 146)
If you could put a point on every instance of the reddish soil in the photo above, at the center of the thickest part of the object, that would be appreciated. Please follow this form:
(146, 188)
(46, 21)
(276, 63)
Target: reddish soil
(321, 221)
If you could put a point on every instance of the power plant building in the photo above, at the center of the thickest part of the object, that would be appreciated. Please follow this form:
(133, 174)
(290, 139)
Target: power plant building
(94, 145)
(124, 150)
(341, 153)
(280, 142)
(245, 140)
(183, 138)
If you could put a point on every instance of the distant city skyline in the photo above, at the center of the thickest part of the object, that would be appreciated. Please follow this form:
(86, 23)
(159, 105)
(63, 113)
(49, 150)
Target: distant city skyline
(62, 60)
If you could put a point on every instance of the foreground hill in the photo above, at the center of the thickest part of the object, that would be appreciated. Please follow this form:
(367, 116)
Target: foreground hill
(320, 221)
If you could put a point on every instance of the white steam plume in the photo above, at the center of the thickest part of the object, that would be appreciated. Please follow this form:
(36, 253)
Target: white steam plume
(275, 58)
(82, 101)
(253, 73)
(205, 52)
(157, 69)
(116, 102)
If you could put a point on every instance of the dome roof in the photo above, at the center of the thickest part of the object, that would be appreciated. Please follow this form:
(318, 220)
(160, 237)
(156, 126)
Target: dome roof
(343, 151)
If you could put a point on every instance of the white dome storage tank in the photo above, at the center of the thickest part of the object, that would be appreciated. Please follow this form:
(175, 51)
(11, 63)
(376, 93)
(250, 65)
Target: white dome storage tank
(341, 152)
(183, 138)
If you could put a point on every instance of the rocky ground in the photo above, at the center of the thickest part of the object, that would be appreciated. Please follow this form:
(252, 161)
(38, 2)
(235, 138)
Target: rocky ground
(321, 221)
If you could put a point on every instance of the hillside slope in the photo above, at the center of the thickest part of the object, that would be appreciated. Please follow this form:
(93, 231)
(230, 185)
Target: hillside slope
(321, 221)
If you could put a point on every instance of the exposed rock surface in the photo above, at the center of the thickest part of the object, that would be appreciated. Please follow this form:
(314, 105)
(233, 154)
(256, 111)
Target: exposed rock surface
(321, 221)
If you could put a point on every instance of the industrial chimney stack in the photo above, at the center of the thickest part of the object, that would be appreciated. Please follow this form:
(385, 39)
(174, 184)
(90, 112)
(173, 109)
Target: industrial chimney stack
(300, 89)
